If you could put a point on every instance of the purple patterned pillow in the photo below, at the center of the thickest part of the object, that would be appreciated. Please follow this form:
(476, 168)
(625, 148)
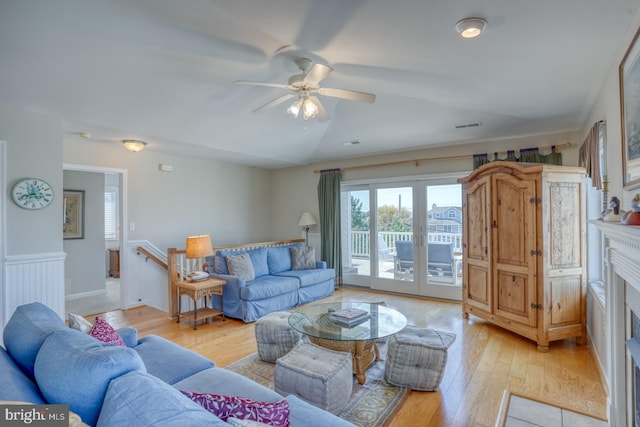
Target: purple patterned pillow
(224, 407)
(104, 332)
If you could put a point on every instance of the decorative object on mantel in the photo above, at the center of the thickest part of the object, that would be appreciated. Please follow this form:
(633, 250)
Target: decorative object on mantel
(613, 213)
(633, 216)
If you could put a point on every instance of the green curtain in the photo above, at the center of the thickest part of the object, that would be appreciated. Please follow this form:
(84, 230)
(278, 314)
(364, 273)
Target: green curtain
(330, 235)
(527, 155)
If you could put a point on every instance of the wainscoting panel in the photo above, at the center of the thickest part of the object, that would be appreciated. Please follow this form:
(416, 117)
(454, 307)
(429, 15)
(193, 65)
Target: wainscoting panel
(38, 277)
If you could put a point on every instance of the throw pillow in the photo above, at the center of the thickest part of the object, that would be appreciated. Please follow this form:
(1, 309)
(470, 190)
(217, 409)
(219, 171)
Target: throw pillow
(80, 323)
(225, 407)
(104, 332)
(240, 265)
(303, 258)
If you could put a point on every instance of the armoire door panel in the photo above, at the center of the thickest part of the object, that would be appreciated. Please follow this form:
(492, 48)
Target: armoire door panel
(477, 218)
(565, 300)
(564, 230)
(514, 296)
(513, 220)
(478, 291)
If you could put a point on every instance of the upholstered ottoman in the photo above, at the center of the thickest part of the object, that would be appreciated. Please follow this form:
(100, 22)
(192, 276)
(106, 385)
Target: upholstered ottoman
(416, 358)
(274, 336)
(317, 375)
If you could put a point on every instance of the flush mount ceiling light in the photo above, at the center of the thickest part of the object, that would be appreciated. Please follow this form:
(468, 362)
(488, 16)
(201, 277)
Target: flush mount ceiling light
(471, 27)
(133, 145)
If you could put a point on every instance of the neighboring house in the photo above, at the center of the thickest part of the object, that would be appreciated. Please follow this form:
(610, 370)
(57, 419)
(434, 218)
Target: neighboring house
(445, 219)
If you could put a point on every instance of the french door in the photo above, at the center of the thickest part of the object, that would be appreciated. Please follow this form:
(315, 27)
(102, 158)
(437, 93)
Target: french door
(404, 236)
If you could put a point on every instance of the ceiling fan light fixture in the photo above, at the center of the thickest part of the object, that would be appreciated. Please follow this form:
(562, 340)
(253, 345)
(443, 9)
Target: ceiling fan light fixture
(309, 109)
(471, 27)
(294, 109)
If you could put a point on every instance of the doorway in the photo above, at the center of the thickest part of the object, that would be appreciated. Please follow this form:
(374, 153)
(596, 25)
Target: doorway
(90, 285)
(410, 242)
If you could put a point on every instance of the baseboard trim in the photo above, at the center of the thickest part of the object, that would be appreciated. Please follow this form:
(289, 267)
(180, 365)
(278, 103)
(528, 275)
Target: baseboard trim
(88, 294)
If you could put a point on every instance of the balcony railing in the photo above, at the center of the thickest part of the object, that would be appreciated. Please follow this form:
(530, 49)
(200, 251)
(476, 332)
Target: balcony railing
(360, 241)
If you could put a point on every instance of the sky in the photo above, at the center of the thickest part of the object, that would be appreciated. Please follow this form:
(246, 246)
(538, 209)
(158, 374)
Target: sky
(441, 195)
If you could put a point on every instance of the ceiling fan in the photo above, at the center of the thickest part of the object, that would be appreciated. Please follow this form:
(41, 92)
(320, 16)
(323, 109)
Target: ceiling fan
(304, 87)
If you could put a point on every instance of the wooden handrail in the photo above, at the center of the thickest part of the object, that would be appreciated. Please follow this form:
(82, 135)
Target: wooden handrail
(152, 257)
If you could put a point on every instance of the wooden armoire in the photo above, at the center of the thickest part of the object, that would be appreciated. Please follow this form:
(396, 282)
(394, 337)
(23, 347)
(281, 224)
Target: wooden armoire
(524, 249)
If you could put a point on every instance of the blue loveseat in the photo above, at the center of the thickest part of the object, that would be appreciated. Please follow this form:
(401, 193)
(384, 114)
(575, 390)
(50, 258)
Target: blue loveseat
(276, 286)
(44, 361)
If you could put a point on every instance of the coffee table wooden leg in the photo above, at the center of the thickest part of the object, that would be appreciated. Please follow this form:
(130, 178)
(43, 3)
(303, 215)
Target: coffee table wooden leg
(359, 355)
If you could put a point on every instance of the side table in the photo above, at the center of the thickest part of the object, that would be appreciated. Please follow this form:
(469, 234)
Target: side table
(196, 290)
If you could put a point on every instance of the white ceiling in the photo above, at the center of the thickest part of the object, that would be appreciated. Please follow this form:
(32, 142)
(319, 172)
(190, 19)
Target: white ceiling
(164, 71)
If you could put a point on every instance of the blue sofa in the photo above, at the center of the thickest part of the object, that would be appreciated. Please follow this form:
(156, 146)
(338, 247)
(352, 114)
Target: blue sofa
(44, 361)
(276, 286)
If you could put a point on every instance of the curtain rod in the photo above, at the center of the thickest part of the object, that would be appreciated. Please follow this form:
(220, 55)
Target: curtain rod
(417, 162)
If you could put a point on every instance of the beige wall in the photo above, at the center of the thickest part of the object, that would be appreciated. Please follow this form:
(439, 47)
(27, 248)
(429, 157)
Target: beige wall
(295, 189)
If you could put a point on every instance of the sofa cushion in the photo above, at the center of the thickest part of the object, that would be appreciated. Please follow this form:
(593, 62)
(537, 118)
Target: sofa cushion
(138, 399)
(75, 369)
(225, 406)
(305, 414)
(223, 381)
(168, 361)
(241, 266)
(258, 259)
(267, 287)
(27, 329)
(309, 277)
(16, 385)
(104, 332)
(279, 257)
(303, 258)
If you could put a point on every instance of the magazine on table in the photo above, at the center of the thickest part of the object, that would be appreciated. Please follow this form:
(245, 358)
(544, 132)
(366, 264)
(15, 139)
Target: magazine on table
(350, 323)
(350, 316)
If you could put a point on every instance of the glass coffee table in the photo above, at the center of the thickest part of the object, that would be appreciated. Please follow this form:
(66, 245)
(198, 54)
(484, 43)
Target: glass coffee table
(357, 337)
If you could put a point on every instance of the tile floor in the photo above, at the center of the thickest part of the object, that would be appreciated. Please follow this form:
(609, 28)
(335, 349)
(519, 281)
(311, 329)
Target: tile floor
(529, 413)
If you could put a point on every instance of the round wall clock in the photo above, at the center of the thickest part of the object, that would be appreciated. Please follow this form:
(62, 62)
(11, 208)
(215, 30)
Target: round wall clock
(32, 193)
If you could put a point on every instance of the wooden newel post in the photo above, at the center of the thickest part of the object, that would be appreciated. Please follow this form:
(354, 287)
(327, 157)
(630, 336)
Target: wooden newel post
(172, 273)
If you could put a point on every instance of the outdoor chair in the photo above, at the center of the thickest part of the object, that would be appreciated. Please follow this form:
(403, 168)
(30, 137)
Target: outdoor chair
(404, 256)
(440, 259)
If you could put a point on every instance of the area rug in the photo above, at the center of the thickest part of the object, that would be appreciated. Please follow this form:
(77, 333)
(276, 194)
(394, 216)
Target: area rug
(372, 404)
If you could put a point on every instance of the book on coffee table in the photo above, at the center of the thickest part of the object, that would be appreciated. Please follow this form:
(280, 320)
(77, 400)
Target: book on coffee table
(349, 313)
(352, 322)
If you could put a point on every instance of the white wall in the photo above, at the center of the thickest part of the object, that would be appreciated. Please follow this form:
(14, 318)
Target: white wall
(34, 149)
(85, 263)
(227, 201)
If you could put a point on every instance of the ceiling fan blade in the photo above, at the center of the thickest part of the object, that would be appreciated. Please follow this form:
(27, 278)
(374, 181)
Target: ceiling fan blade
(317, 73)
(322, 116)
(278, 100)
(351, 95)
(278, 85)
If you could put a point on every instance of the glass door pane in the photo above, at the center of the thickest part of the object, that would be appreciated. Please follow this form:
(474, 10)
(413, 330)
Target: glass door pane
(356, 241)
(444, 237)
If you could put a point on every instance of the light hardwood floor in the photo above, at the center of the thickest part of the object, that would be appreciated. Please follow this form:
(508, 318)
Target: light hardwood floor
(483, 362)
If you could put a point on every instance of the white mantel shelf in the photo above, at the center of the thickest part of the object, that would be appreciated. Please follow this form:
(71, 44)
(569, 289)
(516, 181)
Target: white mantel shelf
(629, 235)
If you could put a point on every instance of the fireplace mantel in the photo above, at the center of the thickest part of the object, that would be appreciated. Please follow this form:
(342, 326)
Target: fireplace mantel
(623, 277)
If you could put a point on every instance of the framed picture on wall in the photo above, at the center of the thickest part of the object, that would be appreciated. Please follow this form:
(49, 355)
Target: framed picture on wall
(73, 205)
(629, 72)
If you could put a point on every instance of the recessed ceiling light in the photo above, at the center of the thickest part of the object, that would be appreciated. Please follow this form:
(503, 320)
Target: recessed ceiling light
(471, 27)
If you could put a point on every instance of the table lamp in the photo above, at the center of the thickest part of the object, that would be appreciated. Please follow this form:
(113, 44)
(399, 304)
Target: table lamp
(198, 247)
(306, 221)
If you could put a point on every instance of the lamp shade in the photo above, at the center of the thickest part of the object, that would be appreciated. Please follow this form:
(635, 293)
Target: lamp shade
(307, 219)
(199, 246)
